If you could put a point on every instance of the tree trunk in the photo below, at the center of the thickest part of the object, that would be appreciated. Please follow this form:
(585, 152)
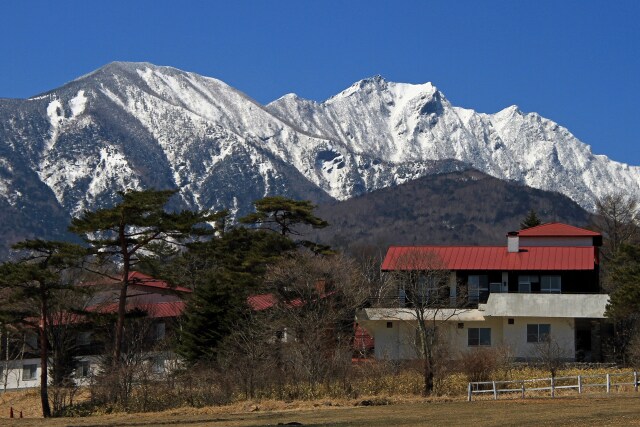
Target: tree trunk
(44, 394)
(122, 302)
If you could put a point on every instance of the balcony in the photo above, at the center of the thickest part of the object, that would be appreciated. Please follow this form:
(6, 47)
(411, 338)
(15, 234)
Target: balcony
(590, 306)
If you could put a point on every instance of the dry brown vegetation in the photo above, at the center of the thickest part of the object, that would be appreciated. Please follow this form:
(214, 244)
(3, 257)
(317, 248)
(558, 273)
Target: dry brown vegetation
(385, 399)
(613, 410)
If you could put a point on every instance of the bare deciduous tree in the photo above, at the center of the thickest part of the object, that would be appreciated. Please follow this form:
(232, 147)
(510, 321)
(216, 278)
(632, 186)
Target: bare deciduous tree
(425, 284)
(551, 355)
(617, 219)
(317, 297)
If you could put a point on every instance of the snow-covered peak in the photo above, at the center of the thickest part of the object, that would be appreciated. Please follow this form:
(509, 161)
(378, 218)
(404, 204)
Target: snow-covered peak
(167, 128)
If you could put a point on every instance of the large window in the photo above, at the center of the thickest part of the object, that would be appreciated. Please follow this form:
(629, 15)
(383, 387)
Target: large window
(538, 332)
(479, 337)
(478, 284)
(550, 284)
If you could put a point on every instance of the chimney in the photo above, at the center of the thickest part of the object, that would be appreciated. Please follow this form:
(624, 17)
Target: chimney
(513, 242)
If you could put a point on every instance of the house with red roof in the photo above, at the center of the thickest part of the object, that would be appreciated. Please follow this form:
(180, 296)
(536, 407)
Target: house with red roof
(160, 303)
(542, 284)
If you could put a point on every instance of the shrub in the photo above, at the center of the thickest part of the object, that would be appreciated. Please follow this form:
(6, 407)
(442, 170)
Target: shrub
(482, 364)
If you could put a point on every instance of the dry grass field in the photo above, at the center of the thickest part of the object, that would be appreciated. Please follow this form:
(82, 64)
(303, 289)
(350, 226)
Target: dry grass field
(613, 410)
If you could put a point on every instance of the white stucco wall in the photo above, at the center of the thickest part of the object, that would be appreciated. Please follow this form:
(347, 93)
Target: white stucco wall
(515, 336)
(12, 374)
(398, 342)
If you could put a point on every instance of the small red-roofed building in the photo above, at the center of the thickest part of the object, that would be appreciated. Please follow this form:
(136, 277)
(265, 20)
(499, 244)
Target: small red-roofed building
(155, 302)
(544, 283)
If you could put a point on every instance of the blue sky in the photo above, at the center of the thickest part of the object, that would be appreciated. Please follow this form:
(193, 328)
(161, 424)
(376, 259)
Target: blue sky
(575, 62)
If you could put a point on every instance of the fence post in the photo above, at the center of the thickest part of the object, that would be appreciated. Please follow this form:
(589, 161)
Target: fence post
(523, 389)
(608, 383)
(579, 384)
(635, 380)
(553, 389)
(495, 391)
(469, 393)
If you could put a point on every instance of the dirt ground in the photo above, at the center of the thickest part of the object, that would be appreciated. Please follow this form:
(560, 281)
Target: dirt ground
(601, 410)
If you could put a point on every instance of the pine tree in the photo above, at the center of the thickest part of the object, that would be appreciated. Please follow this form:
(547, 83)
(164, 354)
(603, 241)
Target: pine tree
(531, 220)
(28, 288)
(120, 233)
(229, 270)
(281, 214)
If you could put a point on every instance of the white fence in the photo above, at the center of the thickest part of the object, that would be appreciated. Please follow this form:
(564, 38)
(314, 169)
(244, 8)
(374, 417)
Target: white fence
(580, 383)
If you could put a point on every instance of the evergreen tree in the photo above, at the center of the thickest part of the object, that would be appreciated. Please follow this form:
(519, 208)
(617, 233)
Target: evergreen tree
(29, 288)
(531, 220)
(230, 269)
(281, 214)
(624, 299)
(121, 233)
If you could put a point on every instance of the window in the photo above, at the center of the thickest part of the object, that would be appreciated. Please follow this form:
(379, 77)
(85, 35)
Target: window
(495, 287)
(550, 284)
(29, 372)
(525, 283)
(84, 369)
(428, 288)
(511, 321)
(478, 284)
(157, 365)
(32, 341)
(479, 337)
(538, 332)
(158, 331)
(389, 325)
(83, 338)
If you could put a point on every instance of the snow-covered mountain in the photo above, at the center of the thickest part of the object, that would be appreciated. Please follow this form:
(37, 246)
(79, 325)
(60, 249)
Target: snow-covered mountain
(404, 123)
(135, 125)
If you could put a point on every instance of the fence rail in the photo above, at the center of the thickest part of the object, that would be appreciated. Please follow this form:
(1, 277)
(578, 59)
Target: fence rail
(578, 382)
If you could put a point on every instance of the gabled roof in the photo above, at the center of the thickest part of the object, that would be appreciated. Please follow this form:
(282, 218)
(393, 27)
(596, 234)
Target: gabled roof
(489, 258)
(557, 229)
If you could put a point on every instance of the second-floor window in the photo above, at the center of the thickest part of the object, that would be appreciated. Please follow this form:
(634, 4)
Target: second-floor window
(478, 284)
(158, 331)
(550, 284)
(526, 283)
(83, 338)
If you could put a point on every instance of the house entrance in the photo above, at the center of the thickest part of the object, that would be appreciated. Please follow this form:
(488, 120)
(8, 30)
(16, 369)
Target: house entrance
(588, 340)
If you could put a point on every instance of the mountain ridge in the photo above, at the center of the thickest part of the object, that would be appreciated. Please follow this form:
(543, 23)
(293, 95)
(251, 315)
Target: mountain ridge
(137, 125)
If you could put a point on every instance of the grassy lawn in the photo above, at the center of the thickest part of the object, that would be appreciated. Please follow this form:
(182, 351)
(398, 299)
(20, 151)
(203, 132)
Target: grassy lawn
(613, 410)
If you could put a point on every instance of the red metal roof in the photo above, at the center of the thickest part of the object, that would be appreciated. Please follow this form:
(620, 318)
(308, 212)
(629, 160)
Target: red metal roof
(489, 258)
(264, 301)
(156, 309)
(556, 229)
(261, 302)
(141, 279)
